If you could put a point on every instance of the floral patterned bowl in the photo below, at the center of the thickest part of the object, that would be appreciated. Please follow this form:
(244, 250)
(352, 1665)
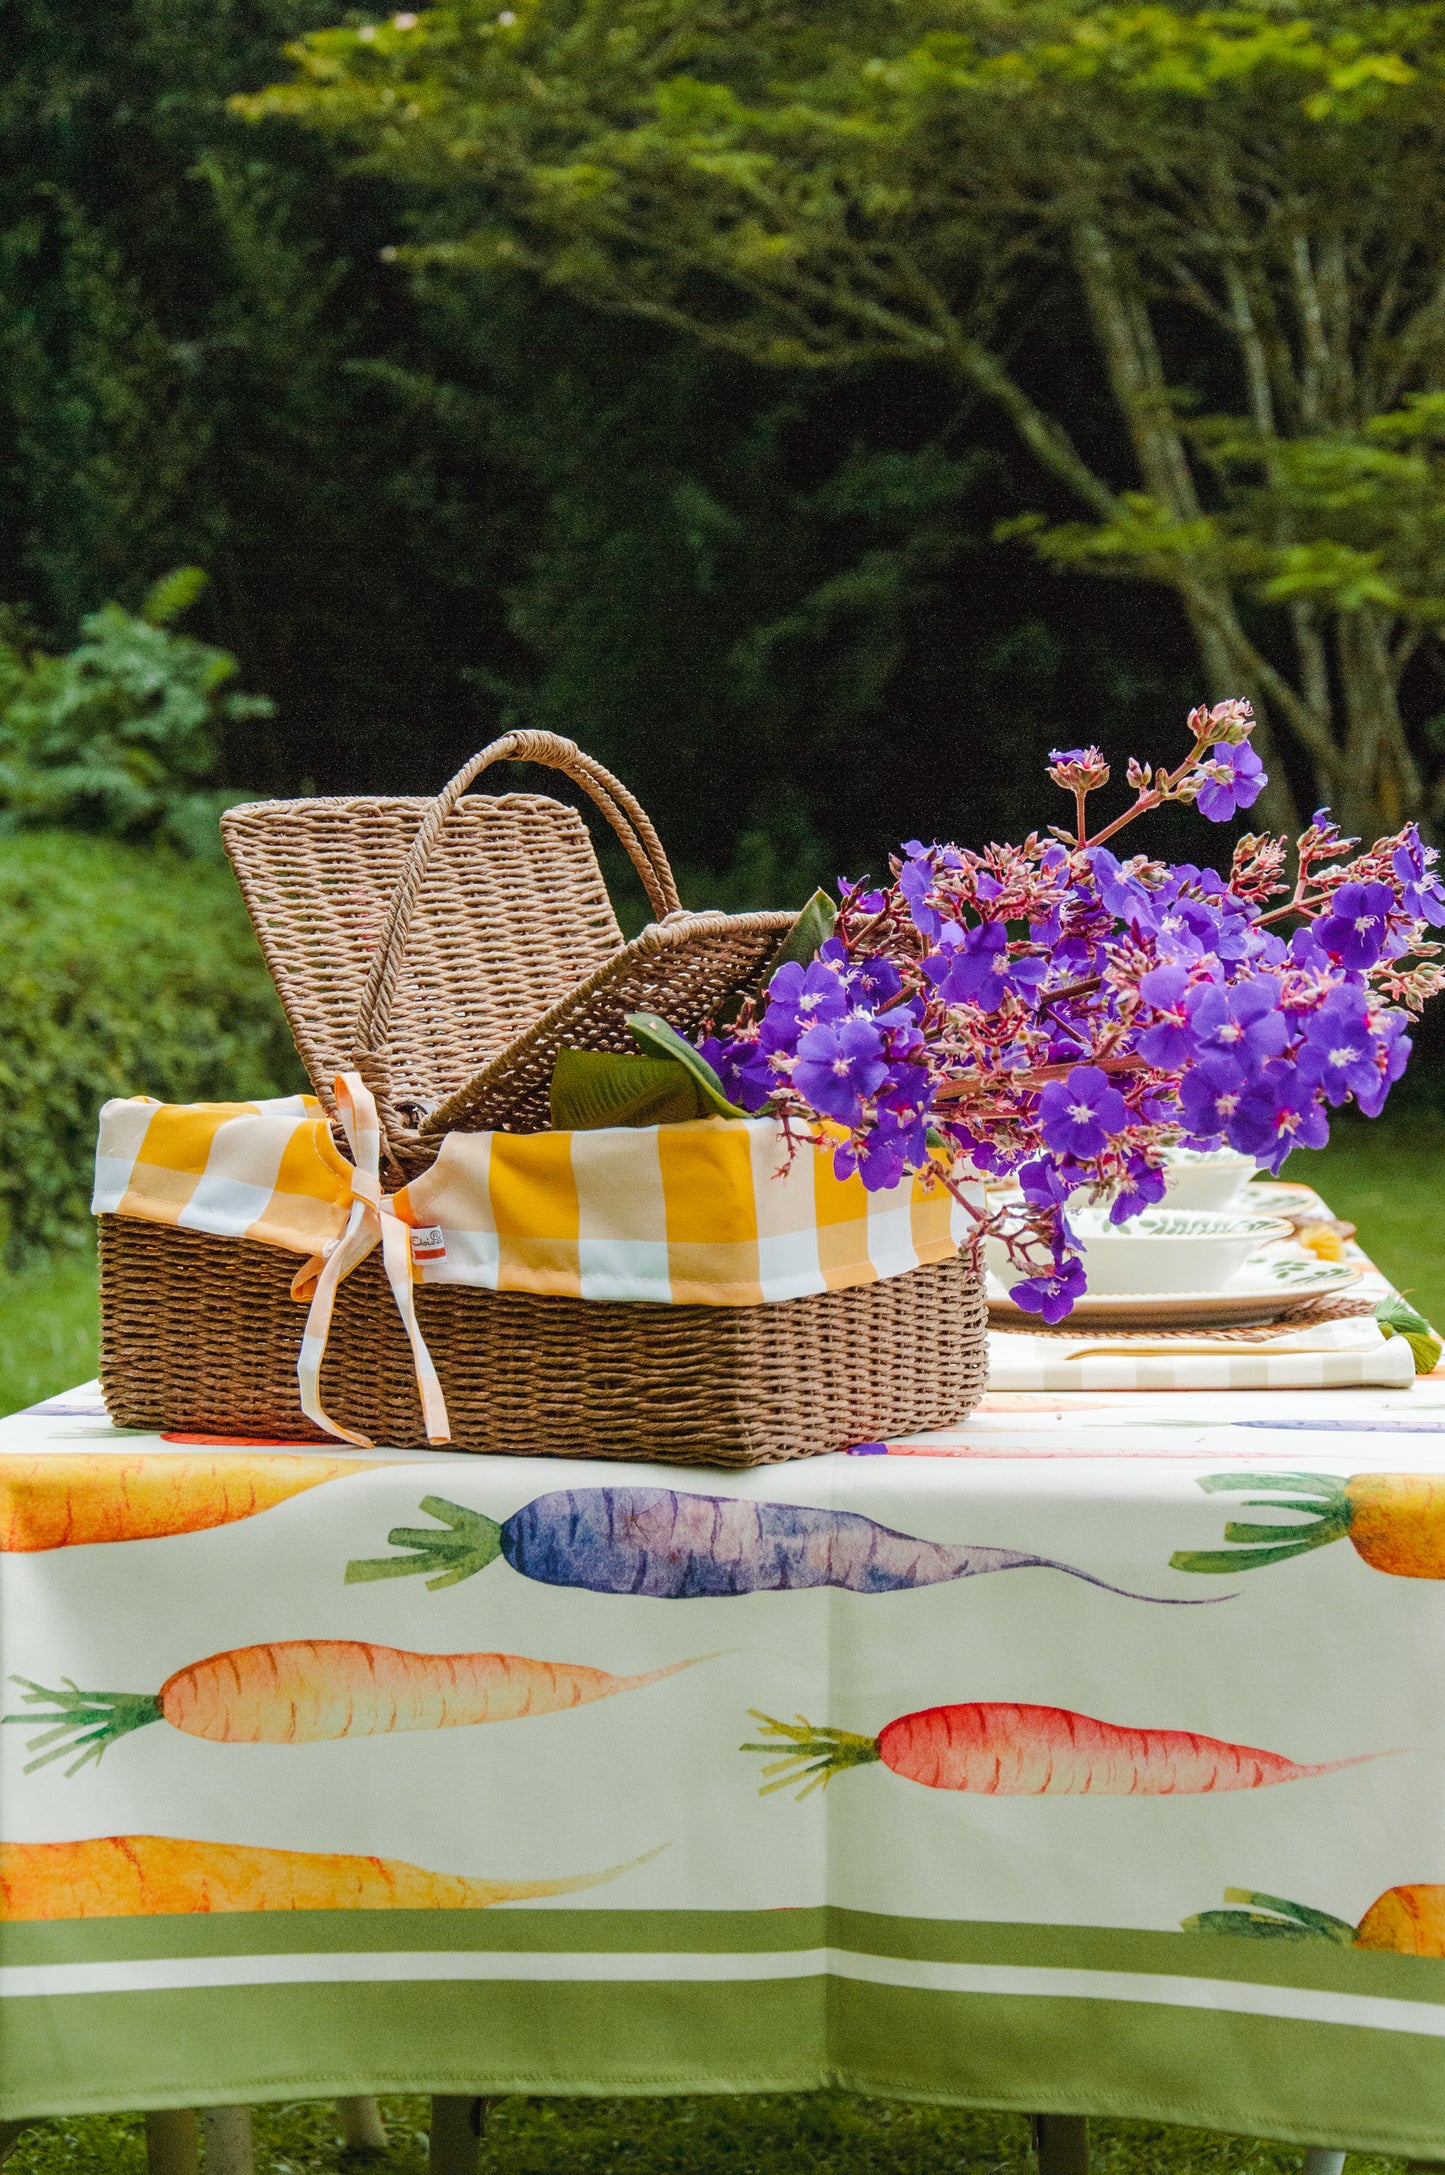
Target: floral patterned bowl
(1167, 1249)
(1207, 1178)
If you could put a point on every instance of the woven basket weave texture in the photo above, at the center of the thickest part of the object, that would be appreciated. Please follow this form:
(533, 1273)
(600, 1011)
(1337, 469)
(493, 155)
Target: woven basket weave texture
(447, 949)
(200, 1335)
(514, 914)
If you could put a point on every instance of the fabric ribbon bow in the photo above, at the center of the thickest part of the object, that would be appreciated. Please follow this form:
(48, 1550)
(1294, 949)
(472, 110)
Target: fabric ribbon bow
(373, 1222)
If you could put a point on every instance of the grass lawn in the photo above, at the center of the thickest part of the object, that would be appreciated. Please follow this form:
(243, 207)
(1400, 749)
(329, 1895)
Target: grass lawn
(1390, 1180)
(824, 2134)
(47, 1327)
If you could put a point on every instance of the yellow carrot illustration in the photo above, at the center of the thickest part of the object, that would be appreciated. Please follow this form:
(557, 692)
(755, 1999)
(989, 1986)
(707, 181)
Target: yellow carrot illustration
(145, 1876)
(307, 1691)
(1409, 1921)
(70, 1501)
(1395, 1522)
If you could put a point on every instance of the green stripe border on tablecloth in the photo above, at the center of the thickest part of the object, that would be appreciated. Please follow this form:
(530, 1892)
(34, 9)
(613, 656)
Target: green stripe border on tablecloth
(1217, 2052)
(1264, 2076)
(1319, 1964)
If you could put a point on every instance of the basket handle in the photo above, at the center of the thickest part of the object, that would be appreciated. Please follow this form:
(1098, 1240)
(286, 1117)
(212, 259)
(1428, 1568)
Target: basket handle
(627, 818)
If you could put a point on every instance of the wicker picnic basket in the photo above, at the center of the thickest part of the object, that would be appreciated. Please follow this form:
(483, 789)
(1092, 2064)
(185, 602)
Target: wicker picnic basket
(445, 951)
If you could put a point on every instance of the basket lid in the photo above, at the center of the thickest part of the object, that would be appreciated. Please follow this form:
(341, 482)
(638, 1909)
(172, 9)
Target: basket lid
(512, 912)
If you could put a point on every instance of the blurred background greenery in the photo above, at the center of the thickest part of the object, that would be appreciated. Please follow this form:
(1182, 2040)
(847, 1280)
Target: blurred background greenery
(451, 464)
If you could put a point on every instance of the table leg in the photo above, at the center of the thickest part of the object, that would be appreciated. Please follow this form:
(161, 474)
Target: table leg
(1320, 2162)
(227, 2132)
(10, 2136)
(457, 2124)
(1062, 2144)
(171, 2141)
(362, 2129)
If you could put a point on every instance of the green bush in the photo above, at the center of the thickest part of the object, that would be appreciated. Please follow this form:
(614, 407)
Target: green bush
(123, 971)
(122, 734)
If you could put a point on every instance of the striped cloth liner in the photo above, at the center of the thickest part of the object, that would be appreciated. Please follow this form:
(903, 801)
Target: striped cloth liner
(708, 1213)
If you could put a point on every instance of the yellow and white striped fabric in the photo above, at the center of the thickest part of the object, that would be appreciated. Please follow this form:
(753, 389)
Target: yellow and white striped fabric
(710, 1213)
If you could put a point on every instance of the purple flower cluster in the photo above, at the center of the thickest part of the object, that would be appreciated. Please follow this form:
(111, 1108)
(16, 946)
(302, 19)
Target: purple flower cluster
(1051, 1015)
(841, 1039)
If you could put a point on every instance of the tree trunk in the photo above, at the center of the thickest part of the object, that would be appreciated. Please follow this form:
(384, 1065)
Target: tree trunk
(1381, 787)
(1136, 377)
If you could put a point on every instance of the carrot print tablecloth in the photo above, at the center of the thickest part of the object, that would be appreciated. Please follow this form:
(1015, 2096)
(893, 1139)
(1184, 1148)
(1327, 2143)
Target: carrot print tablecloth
(329, 1772)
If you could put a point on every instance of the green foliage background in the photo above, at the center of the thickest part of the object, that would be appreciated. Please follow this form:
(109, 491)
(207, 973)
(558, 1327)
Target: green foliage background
(771, 602)
(123, 972)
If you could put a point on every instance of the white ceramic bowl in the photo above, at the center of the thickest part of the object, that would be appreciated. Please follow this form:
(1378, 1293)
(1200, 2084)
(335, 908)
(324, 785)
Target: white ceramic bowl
(1207, 1178)
(1170, 1249)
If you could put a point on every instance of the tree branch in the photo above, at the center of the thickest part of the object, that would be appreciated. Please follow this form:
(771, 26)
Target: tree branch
(1046, 439)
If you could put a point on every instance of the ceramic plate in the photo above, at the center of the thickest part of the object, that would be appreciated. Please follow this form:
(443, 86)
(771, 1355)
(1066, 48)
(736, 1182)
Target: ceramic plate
(1273, 1197)
(1264, 1290)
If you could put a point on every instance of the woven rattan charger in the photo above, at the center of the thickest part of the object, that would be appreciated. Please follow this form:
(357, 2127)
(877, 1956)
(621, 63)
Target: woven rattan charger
(1307, 1314)
(446, 950)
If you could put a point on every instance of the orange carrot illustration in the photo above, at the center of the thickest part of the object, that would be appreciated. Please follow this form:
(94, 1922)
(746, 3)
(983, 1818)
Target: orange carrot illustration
(69, 1501)
(1395, 1522)
(1006, 1750)
(145, 1876)
(1409, 1920)
(308, 1691)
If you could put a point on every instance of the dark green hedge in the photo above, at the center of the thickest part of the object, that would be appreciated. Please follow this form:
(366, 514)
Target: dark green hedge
(123, 971)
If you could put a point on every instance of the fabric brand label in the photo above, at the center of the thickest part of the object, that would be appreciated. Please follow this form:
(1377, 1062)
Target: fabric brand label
(428, 1243)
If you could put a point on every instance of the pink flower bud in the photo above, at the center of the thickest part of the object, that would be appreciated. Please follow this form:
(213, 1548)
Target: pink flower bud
(1078, 770)
(1231, 721)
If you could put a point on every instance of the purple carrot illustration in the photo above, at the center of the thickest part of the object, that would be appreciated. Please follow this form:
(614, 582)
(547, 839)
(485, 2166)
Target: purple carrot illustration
(676, 1547)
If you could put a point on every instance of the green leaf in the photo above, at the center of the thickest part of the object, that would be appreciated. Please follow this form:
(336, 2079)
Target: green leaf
(592, 1088)
(1397, 1318)
(653, 1035)
(172, 596)
(1251, 1925)
(461, 1543)
(1321, 1922)
(812, 928)
(799, 947)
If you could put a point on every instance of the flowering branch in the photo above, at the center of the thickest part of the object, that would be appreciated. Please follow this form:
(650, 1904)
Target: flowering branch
(1144, 1006)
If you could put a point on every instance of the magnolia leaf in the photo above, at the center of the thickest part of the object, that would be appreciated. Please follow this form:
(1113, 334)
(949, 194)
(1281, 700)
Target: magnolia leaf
(1397, 1318)
(593, 1088)
(799, 947)
(653, 1035)
(812, 928)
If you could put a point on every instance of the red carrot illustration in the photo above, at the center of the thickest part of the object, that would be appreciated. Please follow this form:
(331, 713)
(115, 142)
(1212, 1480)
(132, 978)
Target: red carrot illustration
(1002, 1749)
